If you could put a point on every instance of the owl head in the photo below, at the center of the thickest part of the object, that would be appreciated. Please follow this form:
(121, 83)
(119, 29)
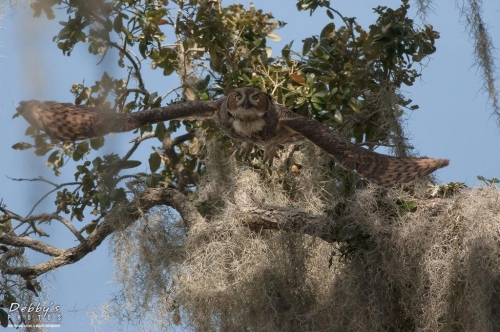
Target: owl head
(248, 103)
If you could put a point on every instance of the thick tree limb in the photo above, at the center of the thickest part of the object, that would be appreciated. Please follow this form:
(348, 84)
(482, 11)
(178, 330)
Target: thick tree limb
(27, 242)
(173, 198)
(291, 220)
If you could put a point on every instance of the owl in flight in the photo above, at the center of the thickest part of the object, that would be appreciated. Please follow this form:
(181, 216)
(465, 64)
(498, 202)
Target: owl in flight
(247, 115)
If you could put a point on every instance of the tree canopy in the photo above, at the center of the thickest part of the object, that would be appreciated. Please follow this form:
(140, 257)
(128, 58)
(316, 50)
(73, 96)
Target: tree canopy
(210, 241)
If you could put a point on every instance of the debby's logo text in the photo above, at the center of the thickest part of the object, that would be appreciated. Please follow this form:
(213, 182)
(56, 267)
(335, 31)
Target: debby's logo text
(34, 315)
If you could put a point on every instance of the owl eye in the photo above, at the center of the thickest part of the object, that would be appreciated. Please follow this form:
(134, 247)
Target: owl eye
(256, 98)
(238, 97)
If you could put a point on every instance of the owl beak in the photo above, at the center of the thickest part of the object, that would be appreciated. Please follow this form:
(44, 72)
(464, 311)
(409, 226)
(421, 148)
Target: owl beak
(246, 105)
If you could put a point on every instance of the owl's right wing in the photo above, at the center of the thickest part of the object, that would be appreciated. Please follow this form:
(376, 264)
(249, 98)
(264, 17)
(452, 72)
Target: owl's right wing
(69, 122)
(380, 169)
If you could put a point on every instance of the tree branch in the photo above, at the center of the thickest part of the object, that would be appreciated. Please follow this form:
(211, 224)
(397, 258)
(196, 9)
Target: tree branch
(126, 53)
(26, 242)
(120, 217)
(42, 179)
(290, 220)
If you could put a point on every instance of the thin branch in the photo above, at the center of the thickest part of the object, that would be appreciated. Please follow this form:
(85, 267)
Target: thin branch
(103, 56)
(346, 21)
(12, 215)
(36, 230)
(134, 147)
(42, 179)
(137, 142)
(68, 225)
(124, 95)
(57, 187)
(126, 52)
(171, 91)
(129, 176)
(42, 217)
(182, 138)
(121, 103)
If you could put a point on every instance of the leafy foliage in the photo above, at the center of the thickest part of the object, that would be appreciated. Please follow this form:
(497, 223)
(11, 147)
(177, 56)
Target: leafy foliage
(491, 182)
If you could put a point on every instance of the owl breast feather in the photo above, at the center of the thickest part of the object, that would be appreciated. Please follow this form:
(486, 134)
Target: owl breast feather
(248, 129)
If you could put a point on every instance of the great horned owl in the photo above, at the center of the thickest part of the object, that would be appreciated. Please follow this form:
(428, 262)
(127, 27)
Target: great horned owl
(250, 115)
(246, 114)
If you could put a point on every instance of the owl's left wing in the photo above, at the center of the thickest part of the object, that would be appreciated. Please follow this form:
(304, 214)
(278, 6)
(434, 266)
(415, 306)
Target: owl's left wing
(68, 122)
(380, 169)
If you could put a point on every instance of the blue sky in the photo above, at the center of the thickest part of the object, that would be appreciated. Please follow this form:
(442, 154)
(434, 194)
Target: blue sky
(454, 120)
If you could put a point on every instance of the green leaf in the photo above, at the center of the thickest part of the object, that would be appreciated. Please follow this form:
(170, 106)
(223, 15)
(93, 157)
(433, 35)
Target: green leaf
(160, 131)
(285, 52)
(328, 31)
(131, 164)
(96, 143)
(118, 23)
(154, 161)
(318, 98)
(189, 93)
(319, 107)
(9, 299)
(108, 25)
(307, 45)
(90, 227)
(41, 151)
(407, 205)
(130, 38)
(345, 89)
(337, 117)
(83, 147)
(21, 146)
(143, 48)
(81, 150)
(53, 157)
(4, 318)
(354, 107)
(310, 77)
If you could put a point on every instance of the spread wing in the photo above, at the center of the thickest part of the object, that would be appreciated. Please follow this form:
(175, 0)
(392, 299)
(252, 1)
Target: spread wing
(380, 169)
(68, 122)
